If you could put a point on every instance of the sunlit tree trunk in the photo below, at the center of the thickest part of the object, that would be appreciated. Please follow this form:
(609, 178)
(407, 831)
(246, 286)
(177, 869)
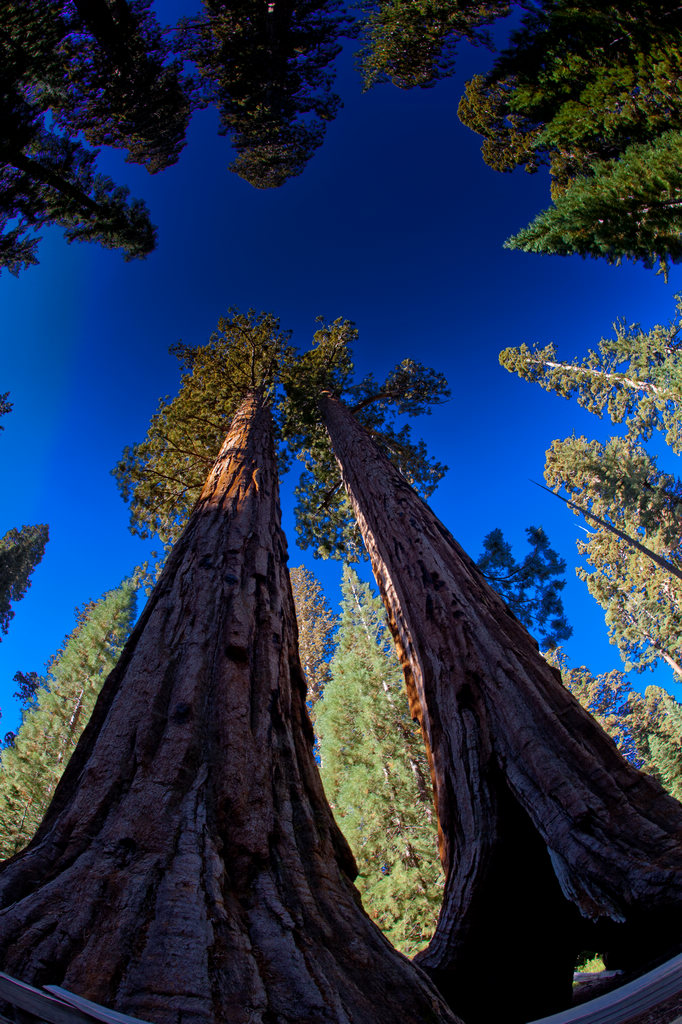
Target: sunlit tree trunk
(551, 842)
(189, 868)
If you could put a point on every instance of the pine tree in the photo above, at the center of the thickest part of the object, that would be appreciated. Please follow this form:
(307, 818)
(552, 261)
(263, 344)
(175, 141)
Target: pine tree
(606, 697)
(646, 728)
(621, 483)
(122, 87)
(56, 710)
(656, 722)
(591, 91)
(632, 508)
(625, 209)
(265, 67)
(20, 552)
(532, 588)
(376, 775)
(634, 377)
(47, 176)
(413, 44)
(316, 624)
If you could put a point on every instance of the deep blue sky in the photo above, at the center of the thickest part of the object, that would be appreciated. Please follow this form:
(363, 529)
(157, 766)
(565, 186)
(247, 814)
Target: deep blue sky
(396, 224)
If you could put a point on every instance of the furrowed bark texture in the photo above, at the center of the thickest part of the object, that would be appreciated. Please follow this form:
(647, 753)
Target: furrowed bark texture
(551, 842)
(189, 868)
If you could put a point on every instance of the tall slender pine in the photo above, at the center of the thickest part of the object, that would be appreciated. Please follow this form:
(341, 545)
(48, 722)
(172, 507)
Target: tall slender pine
(376, 775)
(33, 764)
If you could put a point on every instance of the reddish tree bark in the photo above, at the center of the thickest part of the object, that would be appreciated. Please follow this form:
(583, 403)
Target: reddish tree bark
(551, 842)
(189, 868)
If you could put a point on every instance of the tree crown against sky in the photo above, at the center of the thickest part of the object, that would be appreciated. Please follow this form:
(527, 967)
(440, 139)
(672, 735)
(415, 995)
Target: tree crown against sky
(635, 549)
(64, 73)
(414, 44)
(590, 91)
(162, 476)
(531, 588)
(266, 68)
(634, 377)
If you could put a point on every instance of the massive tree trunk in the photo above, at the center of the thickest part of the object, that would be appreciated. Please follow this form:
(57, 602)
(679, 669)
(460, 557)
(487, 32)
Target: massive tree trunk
(189, 868)
(551, 842)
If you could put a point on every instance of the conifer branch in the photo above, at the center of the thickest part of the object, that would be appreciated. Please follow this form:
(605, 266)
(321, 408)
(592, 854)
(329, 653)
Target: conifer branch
(658, 559)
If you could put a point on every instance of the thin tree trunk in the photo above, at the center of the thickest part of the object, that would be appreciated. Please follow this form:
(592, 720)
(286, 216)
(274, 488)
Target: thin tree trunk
(551, 842)
(189, 868)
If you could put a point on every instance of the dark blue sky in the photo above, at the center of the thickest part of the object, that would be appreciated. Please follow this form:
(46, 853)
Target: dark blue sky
(396, 224)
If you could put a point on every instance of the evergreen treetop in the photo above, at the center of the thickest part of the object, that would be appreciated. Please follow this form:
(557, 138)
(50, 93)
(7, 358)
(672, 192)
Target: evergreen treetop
(634, 377)
(591, 91)
(414, 44)
(316, 625)
(47, 175)
(20, 552)
(265, 67)
(162, 476)
(621, 483)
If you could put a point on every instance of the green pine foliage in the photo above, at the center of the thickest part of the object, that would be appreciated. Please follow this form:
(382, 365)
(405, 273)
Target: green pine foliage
(413, 42)
(591, 91)
(56, 712)
(20, 552)
(657, 727)
(621, 483)
(376, 776)
(53, 86)
(531, 588)
(646, 728)
(633, 509)
(627, 208)
(634, 377)
(266, 68)
(162, 476)
(607, 697)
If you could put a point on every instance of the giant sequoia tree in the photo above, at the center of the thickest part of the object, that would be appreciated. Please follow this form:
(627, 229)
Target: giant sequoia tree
(545, 831)
(547, 835)
(189, 856)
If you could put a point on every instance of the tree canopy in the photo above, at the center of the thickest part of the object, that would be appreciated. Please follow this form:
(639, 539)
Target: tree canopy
(20, 552)
(414, 44)
(56, 82)
(632, 507)
(591, 93)
(265, 68)
(161, 476)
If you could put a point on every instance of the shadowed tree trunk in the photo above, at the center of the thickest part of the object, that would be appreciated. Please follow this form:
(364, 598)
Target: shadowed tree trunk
(189, 868)
(551, 842)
